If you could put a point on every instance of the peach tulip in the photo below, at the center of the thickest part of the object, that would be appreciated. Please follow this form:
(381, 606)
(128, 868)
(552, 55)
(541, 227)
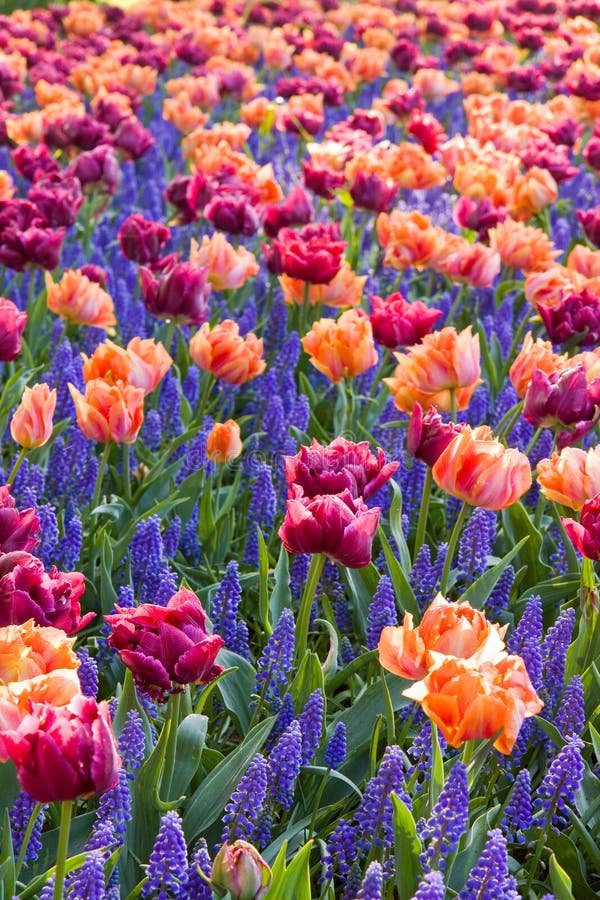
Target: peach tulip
(342, 347)
(31, 424)
(109, 412)
(227, 355)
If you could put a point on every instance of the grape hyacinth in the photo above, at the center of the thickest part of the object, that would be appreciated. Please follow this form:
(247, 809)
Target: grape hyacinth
(311, 724)
(372, 885)
(88, 673)
(447, 823)
(570, 718)
(246, 802)
(489, 878)
(519, 809)
(335, 752)
(277, 658)
(376, 813)
(225, 603)
(432, 887)
(167, 871)
(559, 786)
(284, 764)
(382, 611)
(476, 544)
(88, 880)
(197, 887)
(20, 815)
(554, 657)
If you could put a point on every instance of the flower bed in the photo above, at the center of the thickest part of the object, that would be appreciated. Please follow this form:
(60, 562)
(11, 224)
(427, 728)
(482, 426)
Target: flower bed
(300, 488)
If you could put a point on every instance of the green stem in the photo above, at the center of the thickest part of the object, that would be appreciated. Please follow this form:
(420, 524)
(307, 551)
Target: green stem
(63, 848)
(17, 465)
(423, 512)
(389, 709)
(452, 545)
(453, 404)
(26, 837)
(506, 423)
(569, 549)
(100, 475)
(385, 357)
(534, 439)
(317, 801)
(126, 475)
(314, 573)
(455, 305)
(197, 420)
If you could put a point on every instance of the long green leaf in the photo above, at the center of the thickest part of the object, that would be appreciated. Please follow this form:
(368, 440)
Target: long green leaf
(407, 850)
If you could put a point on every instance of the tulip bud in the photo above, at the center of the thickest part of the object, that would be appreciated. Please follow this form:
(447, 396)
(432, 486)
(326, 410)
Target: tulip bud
(224, 443)
(240, 869)
(31, 424)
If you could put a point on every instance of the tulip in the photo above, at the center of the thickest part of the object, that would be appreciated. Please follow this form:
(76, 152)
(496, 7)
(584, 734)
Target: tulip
(478, 215)
(585, 534)
(372, 192)
(27, 591)
(18, 529)
(397, 323)
(142, 240)
(235, 215)
(239, 869)
(12, 325)
(227, 355)
(228, 268)
(575, 316)
(570, 477)
(477, 468)
(166, 646)
(31, 424)
(132, 138)
(342, 347)
(58, 196)
(150, 362)
(469, 703)
(77, 299)
(337, 525)
(296, 209)
(446, 630)
(590, 222)
(536, 354)
(62, 753)
(443, 368)
(109, 412)
(428, 436)
(313, 254)
(180, 294)
(224, 443)
(188, 194)
(563, 400)
(339, 466)
(97, 166)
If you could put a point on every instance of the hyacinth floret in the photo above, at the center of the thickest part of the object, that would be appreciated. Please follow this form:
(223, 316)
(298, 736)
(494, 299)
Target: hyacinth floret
(225, 604)
(115, 804)
(561, 782)
(431, 887)
(277, 658)
(87, 672)
(197, 887)
(132, 742)
(421, 751)
(570, 718)
(335, 752)
(519, 809)
(343, 848)
(246, 802)
(167, 870)
(20, 815)
(554, 658)
(526, 639)
(375, 813)
(382, 611)
(311, 724)
(448, 821)
(284, 764)
(88, 880)
(476, 543)
(489, 878)
(372, 884)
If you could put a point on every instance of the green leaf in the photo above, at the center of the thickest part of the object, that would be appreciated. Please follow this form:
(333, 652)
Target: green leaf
(263, 582)
(208, 800)
(108, 595)
(127, 701)
(402, 589)
(362, 584)
(395, 519)
(335, 775)
(7, 858)
(437, 781)
(9, 784)
(293, 880)
(359, 717)
(281, 595)
(236, 692)
(309, 678)
(407, 850)
(561, 883)
(519, 524)
(206, 518)
(478, 592)
(191, 737)
(552, 732)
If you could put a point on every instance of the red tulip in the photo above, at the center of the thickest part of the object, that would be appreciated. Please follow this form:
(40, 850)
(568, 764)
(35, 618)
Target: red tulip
(18, 529)
(313, 254)
(563, 400)
(397, 323)
(142, 240)
(166, 646)
(62, 753)
(585, 534)
(339, 466)
(12, 325)
(428, 436)
(180, 293)
(335, 524)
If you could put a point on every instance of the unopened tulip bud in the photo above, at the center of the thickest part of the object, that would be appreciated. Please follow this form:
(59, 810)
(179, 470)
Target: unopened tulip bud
(240, 869)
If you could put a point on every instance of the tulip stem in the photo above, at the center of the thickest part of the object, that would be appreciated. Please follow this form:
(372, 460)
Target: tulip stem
(452, 546)
(423, 512)
(126, 474)
(27, 836)
(173, 719)
(63, 848)
(453, 405)
(100, 475)
(17, 465)
(314, 573)
(210, 380)
(572, 560)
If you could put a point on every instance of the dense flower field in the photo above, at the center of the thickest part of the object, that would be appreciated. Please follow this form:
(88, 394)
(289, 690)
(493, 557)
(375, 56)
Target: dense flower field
(300, 477)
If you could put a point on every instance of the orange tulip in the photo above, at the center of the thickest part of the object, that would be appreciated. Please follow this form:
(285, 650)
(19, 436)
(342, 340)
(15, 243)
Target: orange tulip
(31, 424)
(532, 192)
(77, 299)
(446, 629)
(536, 354)
(109, 362)
(109, 412)
(226, 354)
(37, 663)
(409, 239)
(470, 704)
(344, 289)
(473, 264)
(150, 362)
(342, 347)
(228, 267)
(224, 442)
(443, 362)
(571, 477)
(477, 468)
(522, 247)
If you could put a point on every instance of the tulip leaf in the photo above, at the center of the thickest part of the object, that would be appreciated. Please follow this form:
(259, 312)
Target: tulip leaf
(309, 678)
(479, 592)
(402, 589)
(362, 584)
(436, 782)
(359, 717)
(206, 519)
(519, 524)
(191, 737)
(236, 692)
(293, 880)
(569, 861)
(9, 785)
(263, 582)
(407, 848)
(108, 595)
(127, 701)
(281, 595)
(561, 883)
(208, 800)
(7, 859)
(395, 519)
